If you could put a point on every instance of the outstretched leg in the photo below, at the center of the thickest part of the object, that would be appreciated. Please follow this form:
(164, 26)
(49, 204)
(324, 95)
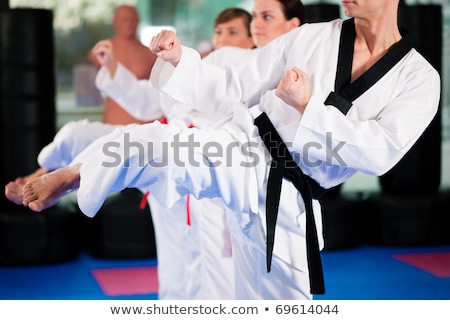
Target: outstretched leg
(76, 139)
(46, 190)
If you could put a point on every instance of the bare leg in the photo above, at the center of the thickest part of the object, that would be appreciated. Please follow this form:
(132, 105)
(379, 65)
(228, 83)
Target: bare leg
(14, 189)
(46, 190)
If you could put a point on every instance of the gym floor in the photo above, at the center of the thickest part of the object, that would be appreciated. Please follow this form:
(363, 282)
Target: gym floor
(359, 273)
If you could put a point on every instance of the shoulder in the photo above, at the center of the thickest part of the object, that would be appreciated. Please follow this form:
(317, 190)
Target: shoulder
(318, 30)
(418, 66)
(309, 35)
(310, 39)
(229, 56)
(229, 50)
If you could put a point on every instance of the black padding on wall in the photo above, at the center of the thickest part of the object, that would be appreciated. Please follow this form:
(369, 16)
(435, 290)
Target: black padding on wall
(28, 112)
(30, 238)
(321, 12)
(27, 89)
(33, 82)
(121, 230)
(26, 38)
(341, 214)
(412, 220)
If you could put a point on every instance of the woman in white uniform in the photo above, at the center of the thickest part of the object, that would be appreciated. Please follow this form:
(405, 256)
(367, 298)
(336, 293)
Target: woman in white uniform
(207, 239)
(294, 79)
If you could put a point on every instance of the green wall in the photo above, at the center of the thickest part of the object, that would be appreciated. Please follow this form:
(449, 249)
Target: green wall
(193, 19)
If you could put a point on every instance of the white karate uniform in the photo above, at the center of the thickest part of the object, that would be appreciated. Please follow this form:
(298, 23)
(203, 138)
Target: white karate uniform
(194, 260)
(231, 162)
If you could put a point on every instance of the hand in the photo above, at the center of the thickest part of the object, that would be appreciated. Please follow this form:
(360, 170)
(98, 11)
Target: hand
(103, 50)
(294, 89)
(167, 46)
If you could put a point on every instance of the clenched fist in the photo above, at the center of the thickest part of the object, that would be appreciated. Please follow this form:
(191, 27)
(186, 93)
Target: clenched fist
(103, 50)
(167, 46)
(294, 89)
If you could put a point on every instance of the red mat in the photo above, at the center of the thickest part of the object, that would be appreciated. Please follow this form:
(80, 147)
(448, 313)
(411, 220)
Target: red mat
(436, 263)
(127, 281)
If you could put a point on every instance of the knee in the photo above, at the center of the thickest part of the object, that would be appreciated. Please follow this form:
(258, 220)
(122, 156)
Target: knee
(70, 130)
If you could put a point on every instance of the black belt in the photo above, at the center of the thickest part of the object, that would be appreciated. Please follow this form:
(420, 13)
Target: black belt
(283, 166)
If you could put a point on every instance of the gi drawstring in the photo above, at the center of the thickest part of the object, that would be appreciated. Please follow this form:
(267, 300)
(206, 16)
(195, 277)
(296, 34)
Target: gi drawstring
(188, 210)
(144, 201)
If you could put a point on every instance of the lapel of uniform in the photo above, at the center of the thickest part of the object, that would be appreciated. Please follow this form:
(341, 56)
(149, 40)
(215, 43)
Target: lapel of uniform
(345, 92)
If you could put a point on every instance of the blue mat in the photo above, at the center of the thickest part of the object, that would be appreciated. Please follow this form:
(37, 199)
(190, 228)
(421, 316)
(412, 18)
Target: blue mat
(64, 281)
(363, 273)
(371, 273)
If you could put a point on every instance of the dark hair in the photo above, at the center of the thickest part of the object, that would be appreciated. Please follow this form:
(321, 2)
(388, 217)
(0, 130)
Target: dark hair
(233, 13)
(293, 9)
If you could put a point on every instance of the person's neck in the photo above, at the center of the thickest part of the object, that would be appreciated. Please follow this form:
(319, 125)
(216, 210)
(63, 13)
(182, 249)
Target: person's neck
(373, 40)
(378, 36)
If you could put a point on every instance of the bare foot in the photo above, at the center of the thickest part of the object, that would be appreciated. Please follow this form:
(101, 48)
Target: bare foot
(23, 180)
(14, 189)
(14, 192)
(46, 190)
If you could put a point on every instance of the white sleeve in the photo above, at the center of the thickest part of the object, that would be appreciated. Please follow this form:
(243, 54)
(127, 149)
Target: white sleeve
(137, 97)
(205, 86)
(381, 141)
